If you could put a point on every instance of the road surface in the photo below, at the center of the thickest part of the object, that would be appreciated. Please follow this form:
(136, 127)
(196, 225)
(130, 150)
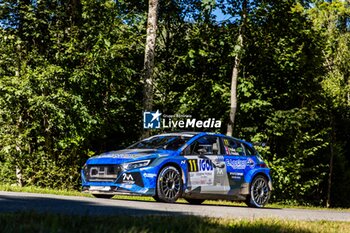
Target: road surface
(47, 203)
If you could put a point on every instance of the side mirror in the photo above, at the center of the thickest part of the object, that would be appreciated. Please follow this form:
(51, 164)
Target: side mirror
(202, 151)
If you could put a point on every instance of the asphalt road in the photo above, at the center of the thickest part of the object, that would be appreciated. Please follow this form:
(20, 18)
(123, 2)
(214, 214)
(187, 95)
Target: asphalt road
(46, 203)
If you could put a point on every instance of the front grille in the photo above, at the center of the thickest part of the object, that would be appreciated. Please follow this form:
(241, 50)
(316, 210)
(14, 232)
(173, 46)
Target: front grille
(105, 173)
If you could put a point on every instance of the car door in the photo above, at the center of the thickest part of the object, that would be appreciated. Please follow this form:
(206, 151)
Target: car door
(237, 162)
(206, 166)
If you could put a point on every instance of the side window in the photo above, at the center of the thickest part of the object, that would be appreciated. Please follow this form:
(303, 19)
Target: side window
(233, 147)
(208, 145)
(249, 150)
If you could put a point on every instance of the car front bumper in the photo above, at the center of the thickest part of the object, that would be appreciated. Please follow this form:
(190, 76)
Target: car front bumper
(140, 181)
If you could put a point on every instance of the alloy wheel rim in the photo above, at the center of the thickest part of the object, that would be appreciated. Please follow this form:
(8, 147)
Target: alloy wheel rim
(170, 184)
(260, 191)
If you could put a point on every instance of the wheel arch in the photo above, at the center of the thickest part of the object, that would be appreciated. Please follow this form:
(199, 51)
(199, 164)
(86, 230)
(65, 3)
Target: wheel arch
(265, 176)
(177, 166)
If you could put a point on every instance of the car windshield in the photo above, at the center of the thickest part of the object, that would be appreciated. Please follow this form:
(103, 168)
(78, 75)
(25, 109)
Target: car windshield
(166, 142)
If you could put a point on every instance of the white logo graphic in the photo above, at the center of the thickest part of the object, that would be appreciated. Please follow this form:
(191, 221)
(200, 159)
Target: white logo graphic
(220, 172)
(151, 120)
(127, 177)
(98, 171)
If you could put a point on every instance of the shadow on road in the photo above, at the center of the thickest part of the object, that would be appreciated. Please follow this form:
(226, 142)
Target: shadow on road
(48, 214)
(239, 206)
(69, 206)
(203, 204)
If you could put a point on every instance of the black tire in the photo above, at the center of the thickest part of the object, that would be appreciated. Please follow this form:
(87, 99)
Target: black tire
(105, 196)
(259, 192)
(194, 201)
(169, 185)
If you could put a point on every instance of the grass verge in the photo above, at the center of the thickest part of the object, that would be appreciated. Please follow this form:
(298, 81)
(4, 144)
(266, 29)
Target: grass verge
(31, 189)
(35, 222)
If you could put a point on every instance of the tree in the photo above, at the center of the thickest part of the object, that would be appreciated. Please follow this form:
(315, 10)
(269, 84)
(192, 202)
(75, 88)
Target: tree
(330, 20)
(235, 71)
(75, 93)
(150, 54)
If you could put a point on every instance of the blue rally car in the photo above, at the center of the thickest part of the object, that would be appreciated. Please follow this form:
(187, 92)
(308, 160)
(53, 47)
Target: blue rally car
(195, 166)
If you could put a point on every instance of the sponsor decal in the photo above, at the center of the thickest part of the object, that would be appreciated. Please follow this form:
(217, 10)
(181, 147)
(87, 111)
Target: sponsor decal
(201, 178)
(201, 172)
(219, 172)
(236, 175)
(98, 172)
(119, 156)
(197, 165)
(205, 165)
(127, 178)
(134, 178)
(127, 186)
(152, 120)
(251, 163)
(236, 163)
(100, 188)
(192, 165)
(144, 190)
(150, 175)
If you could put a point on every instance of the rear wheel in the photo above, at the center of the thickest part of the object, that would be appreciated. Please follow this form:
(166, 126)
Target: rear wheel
(105, 196)
(169, 185)
(259, 192)
(194, 201)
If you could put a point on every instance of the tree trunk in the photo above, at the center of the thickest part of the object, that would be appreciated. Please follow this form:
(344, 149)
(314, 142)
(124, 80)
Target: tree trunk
(149, 55)
(148, 66)
(233, 100)
(235, 71)
(328, 203)
(19, 176)
(75, 12)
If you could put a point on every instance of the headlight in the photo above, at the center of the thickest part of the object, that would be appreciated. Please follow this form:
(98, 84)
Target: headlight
(138, 164)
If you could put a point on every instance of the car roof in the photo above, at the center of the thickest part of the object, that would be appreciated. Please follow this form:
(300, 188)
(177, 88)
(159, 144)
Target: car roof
(188, 134)
(191, 134)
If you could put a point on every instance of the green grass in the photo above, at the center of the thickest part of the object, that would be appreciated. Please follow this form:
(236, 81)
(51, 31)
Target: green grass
(31, 189)
(35, 222)
(144, 198)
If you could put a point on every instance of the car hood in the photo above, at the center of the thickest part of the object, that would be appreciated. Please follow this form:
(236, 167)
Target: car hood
(128, 155)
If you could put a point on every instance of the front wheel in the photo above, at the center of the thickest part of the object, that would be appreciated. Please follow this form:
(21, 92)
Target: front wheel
(259, 192)
(169, 185)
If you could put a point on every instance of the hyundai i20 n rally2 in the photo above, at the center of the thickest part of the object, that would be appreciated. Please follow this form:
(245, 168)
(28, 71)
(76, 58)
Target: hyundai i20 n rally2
(193, 166)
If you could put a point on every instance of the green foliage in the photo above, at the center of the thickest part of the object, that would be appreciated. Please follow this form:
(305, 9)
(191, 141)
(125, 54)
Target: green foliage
(70, 84)
(57, 103)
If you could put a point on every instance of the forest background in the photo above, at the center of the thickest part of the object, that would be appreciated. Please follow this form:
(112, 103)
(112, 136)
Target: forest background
(71, 85)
